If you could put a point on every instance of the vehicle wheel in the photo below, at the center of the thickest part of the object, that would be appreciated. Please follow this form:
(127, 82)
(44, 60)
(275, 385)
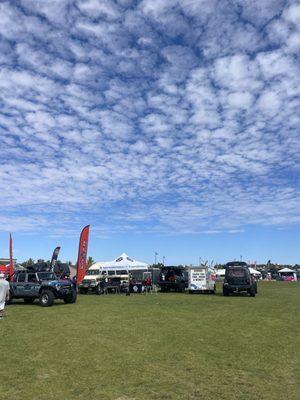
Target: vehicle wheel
(83, 291)
(252, 291)
(46, 298)
(99, 290)
(71, 298)
(256, 288)
(181, 288)
(9, 300)
(225, 291)
(29, 300)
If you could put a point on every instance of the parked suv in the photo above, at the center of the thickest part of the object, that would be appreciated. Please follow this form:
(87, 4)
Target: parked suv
(173, 278)
(238, 279)
(45, 286)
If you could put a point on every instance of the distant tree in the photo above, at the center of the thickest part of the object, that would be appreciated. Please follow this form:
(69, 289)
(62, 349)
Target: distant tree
(90, 261)
(157, 265)
(30, 261)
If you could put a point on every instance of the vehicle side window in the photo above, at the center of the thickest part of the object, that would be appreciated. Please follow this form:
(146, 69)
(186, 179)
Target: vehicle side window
(111, 273)
(21, 277)
(31, 278)
(121, 272)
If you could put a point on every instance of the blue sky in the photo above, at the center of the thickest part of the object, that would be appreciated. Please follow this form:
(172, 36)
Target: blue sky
(169, 126)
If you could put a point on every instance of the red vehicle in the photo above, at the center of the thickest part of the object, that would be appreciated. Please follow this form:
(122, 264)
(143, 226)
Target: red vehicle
(4, 269)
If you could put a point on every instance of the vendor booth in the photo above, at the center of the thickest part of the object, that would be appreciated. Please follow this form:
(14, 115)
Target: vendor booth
(220, 274)
(287, 274)
(124, 270)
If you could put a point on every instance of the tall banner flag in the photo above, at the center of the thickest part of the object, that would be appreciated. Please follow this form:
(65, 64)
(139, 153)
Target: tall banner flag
(82, 253)
(54, 258)
(11, 261)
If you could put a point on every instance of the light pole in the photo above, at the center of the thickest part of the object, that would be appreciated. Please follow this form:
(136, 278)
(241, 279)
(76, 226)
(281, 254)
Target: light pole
(163, 260)
(155, 255)
(199, 261)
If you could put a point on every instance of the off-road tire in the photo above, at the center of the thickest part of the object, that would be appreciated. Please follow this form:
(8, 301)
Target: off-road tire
(9, 300)
(252, 291)
(46, 298)
(225, 291)
(71, 298)
(99, 290)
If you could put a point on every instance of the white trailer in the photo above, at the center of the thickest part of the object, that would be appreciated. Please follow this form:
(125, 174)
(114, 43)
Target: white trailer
(202, 279)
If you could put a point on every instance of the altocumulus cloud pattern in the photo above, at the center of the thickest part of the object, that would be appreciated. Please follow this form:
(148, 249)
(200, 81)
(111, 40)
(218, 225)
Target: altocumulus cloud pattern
(155, 115)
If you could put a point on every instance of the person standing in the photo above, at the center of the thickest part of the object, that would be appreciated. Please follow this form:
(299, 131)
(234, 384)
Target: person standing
(4, 293)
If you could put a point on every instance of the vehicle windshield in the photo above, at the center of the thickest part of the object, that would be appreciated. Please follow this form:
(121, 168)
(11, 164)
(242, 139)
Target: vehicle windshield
(236, 272)
(93, 272)
(172, 271)
(47, 276)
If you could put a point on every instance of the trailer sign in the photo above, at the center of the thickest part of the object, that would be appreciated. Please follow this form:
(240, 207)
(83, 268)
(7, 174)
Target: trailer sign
(201, 279)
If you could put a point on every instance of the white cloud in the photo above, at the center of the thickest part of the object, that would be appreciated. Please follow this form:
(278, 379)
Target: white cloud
(162, 116)
(292, 14)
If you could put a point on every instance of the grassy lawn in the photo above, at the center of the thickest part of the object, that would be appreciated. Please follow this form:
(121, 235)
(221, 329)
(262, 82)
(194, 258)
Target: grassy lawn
(164, 346)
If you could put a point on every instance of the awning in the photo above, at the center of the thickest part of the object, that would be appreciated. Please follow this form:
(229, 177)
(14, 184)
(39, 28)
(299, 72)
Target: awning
(121, 262)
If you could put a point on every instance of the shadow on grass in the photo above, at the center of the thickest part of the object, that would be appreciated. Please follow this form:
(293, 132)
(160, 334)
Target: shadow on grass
(35, 304)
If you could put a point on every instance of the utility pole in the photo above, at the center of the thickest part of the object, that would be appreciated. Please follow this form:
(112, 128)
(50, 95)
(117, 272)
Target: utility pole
(155, 255)
(163, 260)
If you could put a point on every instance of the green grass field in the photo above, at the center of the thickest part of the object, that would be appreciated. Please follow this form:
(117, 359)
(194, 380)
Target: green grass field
(164, 346)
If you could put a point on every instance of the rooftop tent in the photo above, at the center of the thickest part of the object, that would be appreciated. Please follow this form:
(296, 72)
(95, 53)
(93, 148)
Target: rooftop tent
(123, 261)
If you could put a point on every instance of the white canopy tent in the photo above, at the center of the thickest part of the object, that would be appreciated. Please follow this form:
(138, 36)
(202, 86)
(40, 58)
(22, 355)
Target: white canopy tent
(121, 262)
(254, 271)
(287, 272)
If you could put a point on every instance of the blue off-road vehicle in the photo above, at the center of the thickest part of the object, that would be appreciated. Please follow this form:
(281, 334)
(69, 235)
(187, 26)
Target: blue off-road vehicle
(44, 286)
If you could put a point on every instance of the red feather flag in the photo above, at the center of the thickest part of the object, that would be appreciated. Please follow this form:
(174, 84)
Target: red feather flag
(11, 261)
(82, 253)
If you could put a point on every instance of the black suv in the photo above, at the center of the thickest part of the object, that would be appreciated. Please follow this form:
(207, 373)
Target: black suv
(238, 279)
(174, 278)
(45, 286)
